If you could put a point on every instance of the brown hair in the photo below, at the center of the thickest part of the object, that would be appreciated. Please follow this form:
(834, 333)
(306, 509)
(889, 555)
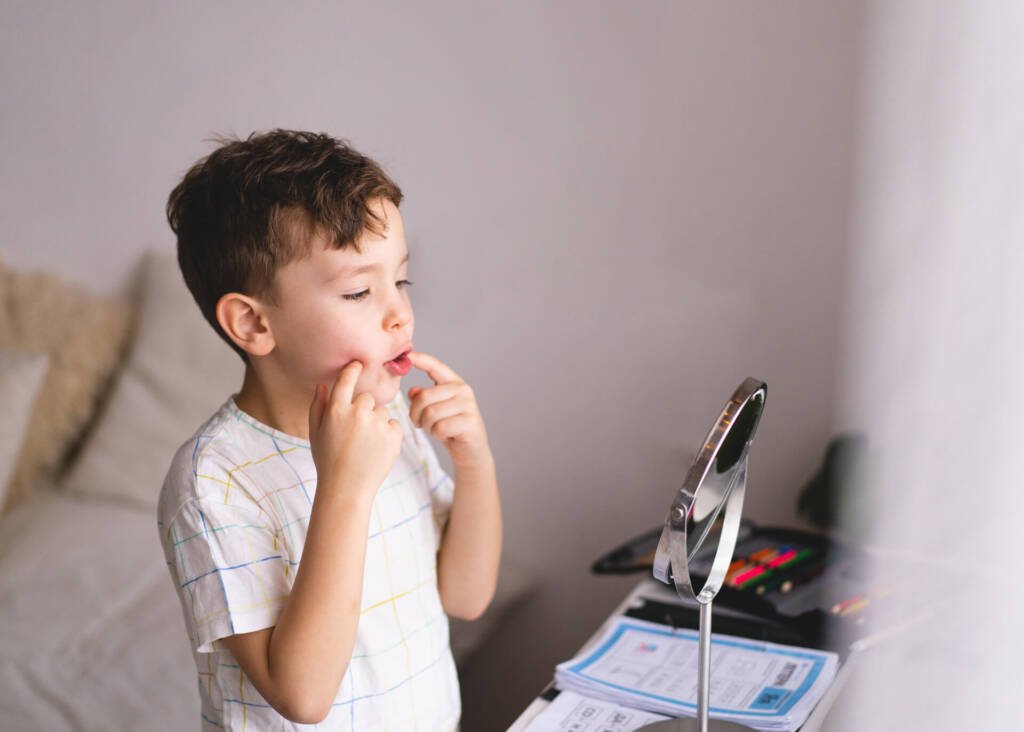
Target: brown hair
(251, 206)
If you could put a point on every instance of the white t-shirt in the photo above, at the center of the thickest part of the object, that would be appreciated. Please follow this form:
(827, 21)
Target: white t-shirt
(232, 517)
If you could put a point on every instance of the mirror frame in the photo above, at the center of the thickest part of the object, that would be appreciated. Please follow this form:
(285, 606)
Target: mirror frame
(672, 558)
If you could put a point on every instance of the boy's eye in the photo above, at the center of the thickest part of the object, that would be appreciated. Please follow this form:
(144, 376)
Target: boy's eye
(360, 295)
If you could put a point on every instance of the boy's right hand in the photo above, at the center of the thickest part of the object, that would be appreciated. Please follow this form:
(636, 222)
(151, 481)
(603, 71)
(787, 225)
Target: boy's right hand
(354, 443)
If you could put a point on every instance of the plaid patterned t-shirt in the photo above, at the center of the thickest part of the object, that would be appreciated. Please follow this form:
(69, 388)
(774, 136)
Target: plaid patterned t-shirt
(233, 514)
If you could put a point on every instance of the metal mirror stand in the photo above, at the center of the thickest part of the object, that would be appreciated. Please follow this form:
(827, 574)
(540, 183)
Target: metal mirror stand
(707, 510)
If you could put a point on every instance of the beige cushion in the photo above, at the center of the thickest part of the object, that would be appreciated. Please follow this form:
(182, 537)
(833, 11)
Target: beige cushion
(84, 336)
(177, 372)
(21, 376)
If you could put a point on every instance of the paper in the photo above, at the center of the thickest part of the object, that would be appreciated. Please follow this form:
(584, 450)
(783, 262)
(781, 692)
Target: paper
(571, 711)
(648, 666)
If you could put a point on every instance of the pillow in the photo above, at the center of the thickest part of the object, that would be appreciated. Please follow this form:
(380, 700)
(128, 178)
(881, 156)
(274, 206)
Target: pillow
(84, 336)
(176, 374)
(21, 376)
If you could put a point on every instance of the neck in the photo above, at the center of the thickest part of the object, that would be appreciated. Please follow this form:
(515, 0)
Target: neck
(277, 406)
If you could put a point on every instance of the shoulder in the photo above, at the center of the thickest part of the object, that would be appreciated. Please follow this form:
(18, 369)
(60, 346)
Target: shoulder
(204, 464)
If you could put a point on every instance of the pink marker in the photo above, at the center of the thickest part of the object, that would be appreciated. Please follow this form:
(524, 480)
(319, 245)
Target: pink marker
(747, 576)
(782, 559)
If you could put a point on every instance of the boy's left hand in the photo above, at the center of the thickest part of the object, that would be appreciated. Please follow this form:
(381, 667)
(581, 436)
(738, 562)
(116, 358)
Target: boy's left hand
(448, 412)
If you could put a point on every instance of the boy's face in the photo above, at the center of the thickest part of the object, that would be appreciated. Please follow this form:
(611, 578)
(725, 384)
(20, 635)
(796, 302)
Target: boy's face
(329, 315)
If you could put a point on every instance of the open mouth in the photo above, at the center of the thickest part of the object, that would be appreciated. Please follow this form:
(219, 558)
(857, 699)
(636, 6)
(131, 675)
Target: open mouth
(404, 354)
(400, 365)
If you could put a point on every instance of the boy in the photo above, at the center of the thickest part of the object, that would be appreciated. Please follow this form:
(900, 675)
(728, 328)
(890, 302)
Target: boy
(315, 543)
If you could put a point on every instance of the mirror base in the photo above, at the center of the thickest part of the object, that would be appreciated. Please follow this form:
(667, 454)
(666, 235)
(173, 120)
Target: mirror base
(690, 724)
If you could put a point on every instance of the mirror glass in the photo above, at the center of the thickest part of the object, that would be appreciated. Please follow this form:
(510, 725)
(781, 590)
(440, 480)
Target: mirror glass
(705, 514)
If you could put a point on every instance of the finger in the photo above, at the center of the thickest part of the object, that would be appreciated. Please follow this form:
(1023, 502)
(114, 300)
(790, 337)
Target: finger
(450, 427)
(435, 368)
(345, 384)
(434, 413)
(382, 410)
(426, 397)
(365, 400)
(316, 410)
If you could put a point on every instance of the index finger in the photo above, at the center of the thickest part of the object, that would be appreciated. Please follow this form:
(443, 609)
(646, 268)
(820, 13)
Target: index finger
(435, 368)
(345, 385)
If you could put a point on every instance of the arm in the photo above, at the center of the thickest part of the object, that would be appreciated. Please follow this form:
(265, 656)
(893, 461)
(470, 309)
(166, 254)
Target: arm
(467, 562)
(470, 552)
(298, 664)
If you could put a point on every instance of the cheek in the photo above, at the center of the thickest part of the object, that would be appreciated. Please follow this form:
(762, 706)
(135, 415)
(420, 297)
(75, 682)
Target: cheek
(350, 345)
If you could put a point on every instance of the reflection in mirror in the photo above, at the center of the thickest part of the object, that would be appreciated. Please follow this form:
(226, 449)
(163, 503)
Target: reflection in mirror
(737, 439)
(704, 521)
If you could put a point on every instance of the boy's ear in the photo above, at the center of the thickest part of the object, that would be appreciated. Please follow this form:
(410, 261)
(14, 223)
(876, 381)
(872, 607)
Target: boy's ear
(244, 320)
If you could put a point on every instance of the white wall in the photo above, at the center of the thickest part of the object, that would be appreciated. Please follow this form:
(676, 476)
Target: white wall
(617, 211)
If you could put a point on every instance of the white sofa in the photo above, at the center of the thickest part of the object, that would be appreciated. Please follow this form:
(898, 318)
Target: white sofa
(93, 637)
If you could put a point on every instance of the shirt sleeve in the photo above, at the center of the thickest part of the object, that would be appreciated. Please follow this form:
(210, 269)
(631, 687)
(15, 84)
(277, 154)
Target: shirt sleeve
(232, 573)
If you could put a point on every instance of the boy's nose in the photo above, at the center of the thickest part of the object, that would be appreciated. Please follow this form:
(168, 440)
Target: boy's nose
(398, 316)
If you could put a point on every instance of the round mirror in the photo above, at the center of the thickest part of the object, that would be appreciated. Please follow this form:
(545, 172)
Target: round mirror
(704, 520)
(704, 517)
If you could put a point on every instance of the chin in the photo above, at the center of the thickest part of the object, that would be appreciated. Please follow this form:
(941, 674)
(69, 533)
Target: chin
(387, 393)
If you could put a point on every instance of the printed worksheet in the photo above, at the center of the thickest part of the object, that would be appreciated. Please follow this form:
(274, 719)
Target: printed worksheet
(648, 666)
(572, 711)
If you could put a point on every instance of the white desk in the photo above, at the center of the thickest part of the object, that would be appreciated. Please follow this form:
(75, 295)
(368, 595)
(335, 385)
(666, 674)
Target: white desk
(652, 589)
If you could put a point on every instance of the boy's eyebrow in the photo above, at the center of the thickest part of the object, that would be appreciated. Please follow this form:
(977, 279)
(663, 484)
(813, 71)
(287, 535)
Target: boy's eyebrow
(349, 271)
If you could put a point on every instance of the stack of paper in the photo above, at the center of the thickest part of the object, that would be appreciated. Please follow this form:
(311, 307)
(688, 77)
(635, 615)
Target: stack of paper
(649, 666)
(571, 711)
